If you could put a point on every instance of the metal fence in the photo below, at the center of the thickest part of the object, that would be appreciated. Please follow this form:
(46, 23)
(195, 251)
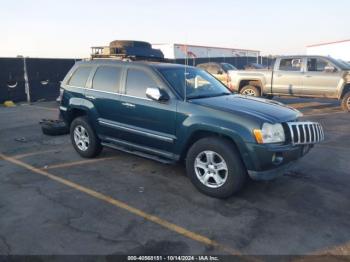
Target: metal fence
(32, 79)
(38, 79)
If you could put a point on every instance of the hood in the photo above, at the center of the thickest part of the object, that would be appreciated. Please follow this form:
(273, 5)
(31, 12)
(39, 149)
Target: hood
(267, 110)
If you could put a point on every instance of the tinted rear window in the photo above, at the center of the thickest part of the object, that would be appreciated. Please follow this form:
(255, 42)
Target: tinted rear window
(80, 76)
(107, 78)
(137, 82)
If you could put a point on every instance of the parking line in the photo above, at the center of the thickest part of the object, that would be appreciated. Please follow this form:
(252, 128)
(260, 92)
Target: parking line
(117, 203)
(76, 163)
(325, 114)
(339, 250)
(44, 107)
(35, 153)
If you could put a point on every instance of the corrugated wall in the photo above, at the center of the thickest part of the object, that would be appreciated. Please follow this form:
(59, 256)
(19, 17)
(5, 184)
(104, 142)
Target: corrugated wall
(44, 75)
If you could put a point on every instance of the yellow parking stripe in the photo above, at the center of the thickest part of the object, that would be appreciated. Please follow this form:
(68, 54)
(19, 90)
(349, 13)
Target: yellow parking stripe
(325, 114)
(34, 153)
(327, 254)
(340, 250)
(46, 108)
(76, 163)
(157, 220)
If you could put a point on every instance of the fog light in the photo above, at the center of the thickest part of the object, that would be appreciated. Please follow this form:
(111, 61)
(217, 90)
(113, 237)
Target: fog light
(277, 158)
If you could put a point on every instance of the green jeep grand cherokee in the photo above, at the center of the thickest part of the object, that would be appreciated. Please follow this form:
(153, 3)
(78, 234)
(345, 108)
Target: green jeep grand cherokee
(170, 113)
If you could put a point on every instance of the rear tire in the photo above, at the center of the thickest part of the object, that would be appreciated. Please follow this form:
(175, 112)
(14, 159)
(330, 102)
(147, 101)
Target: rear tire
(207, 159)
(84, 139)
(250, 91)
(345, 104)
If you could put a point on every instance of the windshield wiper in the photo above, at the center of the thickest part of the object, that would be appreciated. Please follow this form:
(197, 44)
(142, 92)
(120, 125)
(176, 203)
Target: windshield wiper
(209, 95)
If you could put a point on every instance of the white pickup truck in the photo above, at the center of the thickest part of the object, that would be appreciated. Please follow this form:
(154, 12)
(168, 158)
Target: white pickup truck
(303, 76)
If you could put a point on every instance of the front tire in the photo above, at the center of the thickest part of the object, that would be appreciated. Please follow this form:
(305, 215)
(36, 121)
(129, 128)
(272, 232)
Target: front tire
(84, 139)
(250, 91)
(215, 167)
(345, 104)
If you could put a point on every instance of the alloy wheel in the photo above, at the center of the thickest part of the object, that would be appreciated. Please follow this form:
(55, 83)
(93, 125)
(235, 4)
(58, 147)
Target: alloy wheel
(211, 169)
(249, 92)
(81, 138)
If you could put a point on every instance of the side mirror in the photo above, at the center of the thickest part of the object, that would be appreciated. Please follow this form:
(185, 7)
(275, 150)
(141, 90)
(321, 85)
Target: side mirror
(330, 69)
(156, 94)
(220, 72)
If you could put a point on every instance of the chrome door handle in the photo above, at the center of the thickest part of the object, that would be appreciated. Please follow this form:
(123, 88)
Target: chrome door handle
(308, 76)
(90, 97)
(128, 104)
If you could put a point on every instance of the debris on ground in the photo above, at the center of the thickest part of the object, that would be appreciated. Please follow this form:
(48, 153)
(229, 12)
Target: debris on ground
(21, 139)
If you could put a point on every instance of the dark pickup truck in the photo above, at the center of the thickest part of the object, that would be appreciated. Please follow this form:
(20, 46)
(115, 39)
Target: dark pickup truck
(174, 113)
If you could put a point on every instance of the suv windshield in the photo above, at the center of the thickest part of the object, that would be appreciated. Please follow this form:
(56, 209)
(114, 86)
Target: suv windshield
(227, 67)
(196, 82)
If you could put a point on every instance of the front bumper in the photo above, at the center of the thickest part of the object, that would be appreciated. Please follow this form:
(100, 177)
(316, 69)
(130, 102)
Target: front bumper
(271, 161)
(270, 174)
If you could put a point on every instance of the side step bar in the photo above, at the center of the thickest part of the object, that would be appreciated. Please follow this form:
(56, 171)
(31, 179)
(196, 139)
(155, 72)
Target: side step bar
(133, 149)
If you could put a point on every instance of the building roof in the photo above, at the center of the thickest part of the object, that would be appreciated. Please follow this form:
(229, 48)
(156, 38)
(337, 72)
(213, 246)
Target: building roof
(216, 47)
(329, 43)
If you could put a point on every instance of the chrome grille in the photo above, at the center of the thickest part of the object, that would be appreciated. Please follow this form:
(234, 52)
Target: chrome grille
(302, 133)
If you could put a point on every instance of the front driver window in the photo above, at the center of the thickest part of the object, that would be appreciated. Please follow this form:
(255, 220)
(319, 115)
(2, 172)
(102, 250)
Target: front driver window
(317, 65)
(137, 83)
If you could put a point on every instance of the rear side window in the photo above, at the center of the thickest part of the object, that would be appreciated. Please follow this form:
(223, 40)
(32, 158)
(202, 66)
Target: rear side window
(137, 82)
(80, 76)
(291, 64)
(107, 78)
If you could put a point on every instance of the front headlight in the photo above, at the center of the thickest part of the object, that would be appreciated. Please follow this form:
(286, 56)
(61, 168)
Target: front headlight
(269, 133)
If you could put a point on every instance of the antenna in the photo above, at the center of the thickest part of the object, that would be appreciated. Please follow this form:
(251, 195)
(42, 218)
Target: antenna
(184, 49)
(186, 62)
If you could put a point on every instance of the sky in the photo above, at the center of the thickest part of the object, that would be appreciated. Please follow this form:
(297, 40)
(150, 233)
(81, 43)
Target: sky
(48, 28)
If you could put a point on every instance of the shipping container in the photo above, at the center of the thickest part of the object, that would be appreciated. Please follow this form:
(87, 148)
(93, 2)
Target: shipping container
(182, 51)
